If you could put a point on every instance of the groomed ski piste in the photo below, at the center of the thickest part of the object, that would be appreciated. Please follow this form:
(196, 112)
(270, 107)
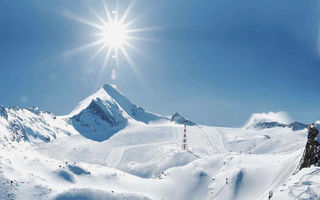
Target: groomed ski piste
(109, 148)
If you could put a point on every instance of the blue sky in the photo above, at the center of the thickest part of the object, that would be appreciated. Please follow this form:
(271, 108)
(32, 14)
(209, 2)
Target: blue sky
(214, 61)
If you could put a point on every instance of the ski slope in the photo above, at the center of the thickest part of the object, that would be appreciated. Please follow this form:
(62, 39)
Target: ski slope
(150, 155)
(63, 159)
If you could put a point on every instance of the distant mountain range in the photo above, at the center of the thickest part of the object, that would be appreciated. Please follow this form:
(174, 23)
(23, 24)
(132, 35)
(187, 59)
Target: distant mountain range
(262, 125)
(97, 117)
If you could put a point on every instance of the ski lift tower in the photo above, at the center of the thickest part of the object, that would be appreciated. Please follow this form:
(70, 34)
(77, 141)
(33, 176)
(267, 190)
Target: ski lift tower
(184, 141)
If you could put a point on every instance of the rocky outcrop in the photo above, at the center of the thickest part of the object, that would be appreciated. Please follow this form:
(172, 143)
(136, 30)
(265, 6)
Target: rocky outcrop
(295, 126)
(311, 152)
(3, 112)
(264, 125)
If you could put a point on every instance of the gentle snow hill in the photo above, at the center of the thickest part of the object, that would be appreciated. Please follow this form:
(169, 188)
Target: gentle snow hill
(109, 148)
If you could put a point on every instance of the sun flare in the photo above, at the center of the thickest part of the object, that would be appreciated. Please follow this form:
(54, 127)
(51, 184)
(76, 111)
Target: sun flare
(114, 36)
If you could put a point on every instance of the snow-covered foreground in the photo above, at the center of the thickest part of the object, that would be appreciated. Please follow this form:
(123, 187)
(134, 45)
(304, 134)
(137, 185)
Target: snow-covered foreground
(139, 156)
(303, 185)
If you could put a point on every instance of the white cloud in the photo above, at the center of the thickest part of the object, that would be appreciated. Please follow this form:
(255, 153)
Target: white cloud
(281, 117)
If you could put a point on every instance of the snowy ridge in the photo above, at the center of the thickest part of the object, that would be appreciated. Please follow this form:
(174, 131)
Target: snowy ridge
(31, 125)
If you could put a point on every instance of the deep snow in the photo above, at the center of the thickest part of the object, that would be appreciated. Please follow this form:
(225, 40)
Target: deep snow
(109, 148)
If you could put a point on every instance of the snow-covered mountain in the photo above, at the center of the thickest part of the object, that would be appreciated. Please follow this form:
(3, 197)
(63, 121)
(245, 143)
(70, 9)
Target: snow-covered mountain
(115, 107)
(272, 120)
(31, 125)
(109, 148)
(106, 112)
(294, 125)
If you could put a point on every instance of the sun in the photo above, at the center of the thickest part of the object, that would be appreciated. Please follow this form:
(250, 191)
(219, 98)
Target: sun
(114, 35)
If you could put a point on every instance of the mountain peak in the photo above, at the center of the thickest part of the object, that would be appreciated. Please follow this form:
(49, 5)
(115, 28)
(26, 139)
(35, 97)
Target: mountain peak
(109, 94)
(100, 94)
(107, 109)
(177, 118)
(134, 111)
(110, 87)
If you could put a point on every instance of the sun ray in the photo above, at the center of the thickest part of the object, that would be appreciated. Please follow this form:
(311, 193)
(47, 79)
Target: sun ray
(82, 20)
(117, 59)
(107, 11)
(132, 64)
(114, 36)
(103, 66)
(155, 28)
(106, 58)
(129, 60)
(126, 13)
(134, 20)
(83, 47)
(116, 11)
(98, 52)
(131, 22)
(128, 44)
(145, 39)
(98, 16)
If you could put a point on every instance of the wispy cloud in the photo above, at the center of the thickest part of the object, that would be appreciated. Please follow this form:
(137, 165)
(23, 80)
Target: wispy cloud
(281, 117)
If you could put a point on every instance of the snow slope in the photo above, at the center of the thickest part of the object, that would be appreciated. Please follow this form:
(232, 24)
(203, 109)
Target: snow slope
(109, 148)
(303, 185)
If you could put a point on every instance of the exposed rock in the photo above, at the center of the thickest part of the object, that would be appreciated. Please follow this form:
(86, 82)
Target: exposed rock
(295, 126)
(263, 125)
(311, 152)
(3, 112)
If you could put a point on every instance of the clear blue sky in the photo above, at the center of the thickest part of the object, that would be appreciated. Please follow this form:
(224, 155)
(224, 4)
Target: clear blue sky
(215, 61)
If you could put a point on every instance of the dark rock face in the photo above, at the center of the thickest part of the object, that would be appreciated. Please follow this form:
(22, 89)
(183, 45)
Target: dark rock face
(3, 112)
(99, 121)
(97, 113)
(295, 126)
(264, 125)
(311, 152)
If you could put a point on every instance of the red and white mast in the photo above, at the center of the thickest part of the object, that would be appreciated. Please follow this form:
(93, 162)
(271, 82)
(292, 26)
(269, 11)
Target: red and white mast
(184, 141)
